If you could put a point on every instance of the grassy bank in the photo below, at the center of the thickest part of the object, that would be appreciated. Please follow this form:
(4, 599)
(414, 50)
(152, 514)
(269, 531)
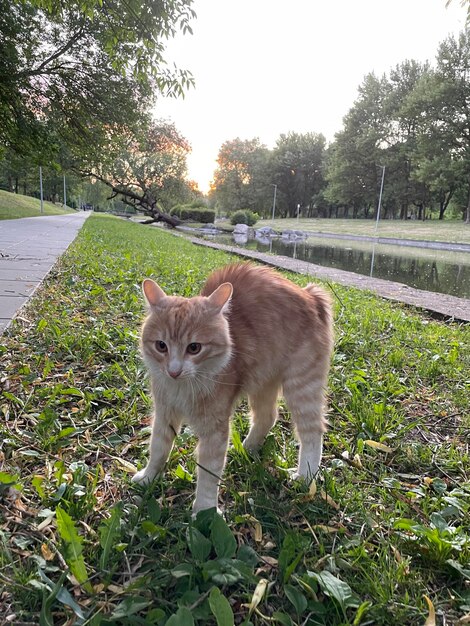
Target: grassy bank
(13, 206)
(384, 525)
(455, 231)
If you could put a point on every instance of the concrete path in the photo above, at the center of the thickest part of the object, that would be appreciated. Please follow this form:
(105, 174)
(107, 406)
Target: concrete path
(29, 247)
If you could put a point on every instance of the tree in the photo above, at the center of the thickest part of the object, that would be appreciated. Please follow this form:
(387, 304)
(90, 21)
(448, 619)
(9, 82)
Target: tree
(84, 70)
(443, 98)
(379, 131)
(353, 164)
(297, 167)
(241, 180)
(148, 172)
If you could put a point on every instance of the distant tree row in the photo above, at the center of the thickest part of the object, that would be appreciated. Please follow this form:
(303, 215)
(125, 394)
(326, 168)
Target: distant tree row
(414, 122)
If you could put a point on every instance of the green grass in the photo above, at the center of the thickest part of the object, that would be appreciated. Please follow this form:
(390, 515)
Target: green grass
(13, 206)
(451, 230)
(75, 425)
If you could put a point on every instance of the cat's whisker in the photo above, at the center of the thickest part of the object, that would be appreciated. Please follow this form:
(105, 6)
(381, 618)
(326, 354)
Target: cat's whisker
(209, 390)
(216, 380)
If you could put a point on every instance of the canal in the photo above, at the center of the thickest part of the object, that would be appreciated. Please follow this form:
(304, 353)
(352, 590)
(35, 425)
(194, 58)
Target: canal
(440, 271)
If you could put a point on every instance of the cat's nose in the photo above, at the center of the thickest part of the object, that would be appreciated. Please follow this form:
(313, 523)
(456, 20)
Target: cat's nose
(174, 373)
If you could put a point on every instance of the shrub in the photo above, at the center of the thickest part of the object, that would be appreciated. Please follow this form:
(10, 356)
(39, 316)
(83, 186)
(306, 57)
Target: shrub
(198, 204)
(194, 214)
(244, 216)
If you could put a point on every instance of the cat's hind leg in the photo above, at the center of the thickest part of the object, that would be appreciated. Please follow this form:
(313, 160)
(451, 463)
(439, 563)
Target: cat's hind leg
(263, 415)
(305, 398)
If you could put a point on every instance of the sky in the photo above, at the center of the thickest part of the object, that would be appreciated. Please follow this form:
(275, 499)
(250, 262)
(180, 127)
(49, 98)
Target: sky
(266, 67)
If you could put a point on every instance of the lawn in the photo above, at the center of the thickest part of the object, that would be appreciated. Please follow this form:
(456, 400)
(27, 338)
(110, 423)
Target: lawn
(13, 206)
(451, 230)
(381, 537)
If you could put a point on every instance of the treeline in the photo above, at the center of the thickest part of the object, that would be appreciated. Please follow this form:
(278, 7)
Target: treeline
(414, 122)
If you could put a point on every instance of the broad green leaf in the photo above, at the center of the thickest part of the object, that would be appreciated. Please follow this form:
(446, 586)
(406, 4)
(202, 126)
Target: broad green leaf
(336, 589)
(72, 547)
(221, 608)
(222, 538)
(130, 606)
(465, 572)
(282, 618)
(199, 545)
(289, 557)
(154, 510)
(7, 481)
(247, 555)
(182, 617)
(37, 482)
(297, 598)
(63, 595)
(224, 571)
(109, 533)
(45, 617)
(182, 569)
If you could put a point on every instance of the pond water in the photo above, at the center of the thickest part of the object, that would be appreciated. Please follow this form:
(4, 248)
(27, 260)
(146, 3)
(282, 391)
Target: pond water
(433, 270)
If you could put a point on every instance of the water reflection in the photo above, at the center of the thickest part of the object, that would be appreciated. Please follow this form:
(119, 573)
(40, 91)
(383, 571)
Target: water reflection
(439, 271)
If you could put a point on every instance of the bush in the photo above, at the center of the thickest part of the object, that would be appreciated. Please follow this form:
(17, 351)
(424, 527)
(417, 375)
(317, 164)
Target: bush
(198, 204)
(194, 214)
(244, 216)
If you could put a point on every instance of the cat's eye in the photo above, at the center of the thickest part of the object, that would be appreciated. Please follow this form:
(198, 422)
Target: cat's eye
(193, 348)
(161, 347)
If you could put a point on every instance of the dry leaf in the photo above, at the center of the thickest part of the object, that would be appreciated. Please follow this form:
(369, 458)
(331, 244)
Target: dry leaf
(258, 595)
(329, 500)
(356, 461)
(431, 619)
(378, 446)
(397, 555)
(463, 620)
(257, 528)
(45, 523)
(126, 465)
(47, 552)
(270, 560)
(312, 490)
(326, 529)
(116, 589)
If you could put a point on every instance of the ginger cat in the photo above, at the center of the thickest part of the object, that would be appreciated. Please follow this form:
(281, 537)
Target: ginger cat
(250, 332)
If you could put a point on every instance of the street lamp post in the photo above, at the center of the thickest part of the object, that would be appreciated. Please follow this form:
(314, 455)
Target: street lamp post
(274, 200)
(377, 221)
(380, 199)
(40, 190)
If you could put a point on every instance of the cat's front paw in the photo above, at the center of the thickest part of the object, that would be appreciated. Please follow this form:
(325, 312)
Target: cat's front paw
(144, 477)
(196, 509)
(252, 444)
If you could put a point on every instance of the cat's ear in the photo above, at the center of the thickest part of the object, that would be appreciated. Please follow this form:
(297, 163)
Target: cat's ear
(220, 298)
(152, 292)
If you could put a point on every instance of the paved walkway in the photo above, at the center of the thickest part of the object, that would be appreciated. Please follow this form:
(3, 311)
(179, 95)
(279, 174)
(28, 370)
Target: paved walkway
(29, 247)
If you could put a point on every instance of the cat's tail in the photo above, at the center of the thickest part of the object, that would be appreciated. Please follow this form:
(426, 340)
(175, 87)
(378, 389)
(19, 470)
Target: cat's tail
(323, 302)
